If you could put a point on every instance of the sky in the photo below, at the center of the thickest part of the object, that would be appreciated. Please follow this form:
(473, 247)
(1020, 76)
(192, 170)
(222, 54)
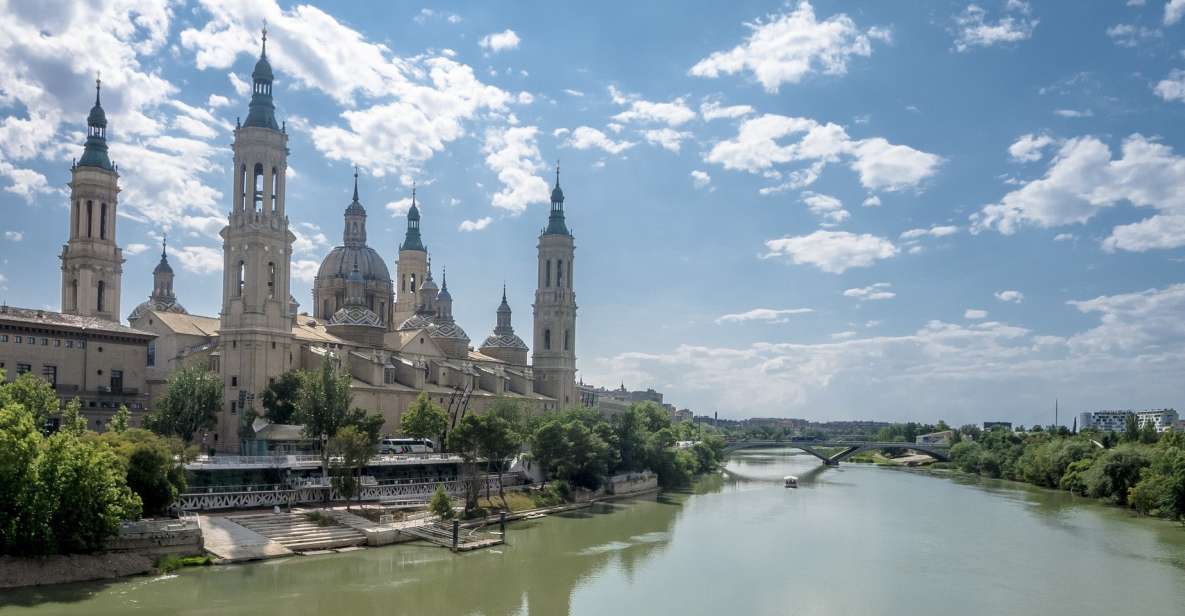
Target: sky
(830, 210)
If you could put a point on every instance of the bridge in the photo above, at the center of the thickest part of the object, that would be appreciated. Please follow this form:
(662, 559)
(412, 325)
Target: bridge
(826, 450)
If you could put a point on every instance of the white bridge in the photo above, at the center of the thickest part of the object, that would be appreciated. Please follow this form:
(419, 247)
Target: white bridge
(845, 449)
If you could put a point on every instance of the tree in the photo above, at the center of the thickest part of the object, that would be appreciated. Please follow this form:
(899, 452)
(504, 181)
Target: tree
(280, 398)
(465, 441)
(72, 421)
(20, 445)
(423, 419)
(1148, 433)
(119, 423)
(350, 449)
(33, 393)
(1131, 428)
(190, 404)
(1115, 472)
(154, 465)
(440, 504)
(323, 404)
(500, 437)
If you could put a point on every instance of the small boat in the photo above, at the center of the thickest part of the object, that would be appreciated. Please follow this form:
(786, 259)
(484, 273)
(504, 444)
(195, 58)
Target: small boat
(791, 481)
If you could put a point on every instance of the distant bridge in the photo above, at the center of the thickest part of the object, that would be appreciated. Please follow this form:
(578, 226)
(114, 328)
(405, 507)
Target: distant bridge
(940, 451)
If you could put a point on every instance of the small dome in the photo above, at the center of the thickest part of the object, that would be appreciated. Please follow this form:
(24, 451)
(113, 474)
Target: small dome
(263, 69)
(413, 213)
(159, 305)
(417, 321)
(340, 262)
(356, 315)
(557, 194)
(448, 331)
(509, 341)
(163, 267)
(97, 116)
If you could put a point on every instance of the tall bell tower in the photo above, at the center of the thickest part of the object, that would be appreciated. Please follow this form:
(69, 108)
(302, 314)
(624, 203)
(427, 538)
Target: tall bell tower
(412, 268)
(255, 340)
(92, 263)
(554, 357)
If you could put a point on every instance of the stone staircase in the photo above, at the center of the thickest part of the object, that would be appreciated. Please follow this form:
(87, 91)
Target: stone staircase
(300, 534)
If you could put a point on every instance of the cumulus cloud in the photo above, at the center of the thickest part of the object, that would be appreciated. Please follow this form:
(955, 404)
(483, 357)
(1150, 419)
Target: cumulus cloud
(785, 48)
(1015, 297)
(475, 225)
(198, 259)
(586, 137)
(513, 154)
(769, 315)
(1174, 10)
(1131, 35)
(1084, 178)
(1029, 148)
(974, 314)
(666, 138)
(934, 231)
(672, 113)
(309, 238)
(713, 110)
(832, 251)
(700, 179)
(500, 41)
(879, 164)
(873, 292)
(1172, 88)
(973, 28)
(829, 208)
(16, 236)
(304, 270)
(1074, 113)
(134, 248)
(872, 201)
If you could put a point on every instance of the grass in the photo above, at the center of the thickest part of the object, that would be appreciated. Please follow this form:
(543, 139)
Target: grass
(172, 562)
(515, 501)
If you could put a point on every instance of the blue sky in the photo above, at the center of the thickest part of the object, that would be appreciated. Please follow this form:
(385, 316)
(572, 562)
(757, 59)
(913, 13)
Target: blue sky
(827, 210)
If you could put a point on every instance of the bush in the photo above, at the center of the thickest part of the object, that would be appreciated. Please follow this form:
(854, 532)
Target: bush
(320, 518)
(553, 494)
(441, 504)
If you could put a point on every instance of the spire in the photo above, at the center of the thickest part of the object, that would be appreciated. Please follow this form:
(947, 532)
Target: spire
(354, 230)
(262, 111)
(555, 222)
(412, 240)
(163, 267)
(355, 183)
(94, 153)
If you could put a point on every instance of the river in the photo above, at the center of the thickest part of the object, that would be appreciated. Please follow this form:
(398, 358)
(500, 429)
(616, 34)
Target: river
(852, 540)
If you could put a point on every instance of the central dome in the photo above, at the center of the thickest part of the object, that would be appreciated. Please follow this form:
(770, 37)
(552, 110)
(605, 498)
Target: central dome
(340, 262)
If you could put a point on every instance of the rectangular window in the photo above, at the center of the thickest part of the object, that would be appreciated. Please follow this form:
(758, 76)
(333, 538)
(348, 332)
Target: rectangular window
(23, 368)
(547, 280)
(30, 340)
(234, 381)
(117, 381)
(45, 342)
(3, 337)
(151, 353)
(16, 339)
(82, 344)
(50, 373)
(69, 344)
(57, 342)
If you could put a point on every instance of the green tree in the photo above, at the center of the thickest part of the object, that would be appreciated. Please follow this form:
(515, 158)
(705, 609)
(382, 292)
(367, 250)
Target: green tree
(119, 422)
(1131, 428)
(20, 444)
(189, 405)
(440, 504)
(1115, 472)
(1148, 433)
(500, 437)
(423, 419)
(34, 394)
(349, 450)
(154, 465)
(465, 441)
(280, 398)
(72, 421)
(323, 405)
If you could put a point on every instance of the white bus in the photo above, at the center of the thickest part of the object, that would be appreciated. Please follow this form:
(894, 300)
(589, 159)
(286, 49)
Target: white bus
(405, 445)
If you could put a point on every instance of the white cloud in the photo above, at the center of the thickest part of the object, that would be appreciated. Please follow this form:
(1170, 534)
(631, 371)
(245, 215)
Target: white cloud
(873, 292)
(217, 100)
(667, 138)
(1015, 297)
(304, 270)
(974, 314)
(500, 41)
(974, 29)
(1173, 11)
(872, 201)
(571, 92)
(1083, 179)
(514, 155)
(475, 225)
(844, 335)
(713, 110)
(673, 113)
(198, 259)
(586, 137)
(786, 48)
(399, 207)
(880, 165)
(1074, 113)
(1063, 237)
(934, 231)
(26, 183)
(771, 315)
(1172, 88)
(309, 238)
(16, 236)
(1131, 35)
(700, 179)
(829, 208)
(1029, 148)
(135, 249)
(832, 251)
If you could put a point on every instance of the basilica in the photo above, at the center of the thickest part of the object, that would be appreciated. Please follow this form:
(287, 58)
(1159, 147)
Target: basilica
(396, 337)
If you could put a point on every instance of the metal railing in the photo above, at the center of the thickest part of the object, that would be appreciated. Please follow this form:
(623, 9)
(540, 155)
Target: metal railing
(303, 459)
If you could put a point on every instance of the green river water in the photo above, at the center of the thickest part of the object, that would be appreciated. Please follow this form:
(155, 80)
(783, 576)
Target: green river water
(852, 540)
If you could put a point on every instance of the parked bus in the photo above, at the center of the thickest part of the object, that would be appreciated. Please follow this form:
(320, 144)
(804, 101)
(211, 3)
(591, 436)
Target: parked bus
(406, 445)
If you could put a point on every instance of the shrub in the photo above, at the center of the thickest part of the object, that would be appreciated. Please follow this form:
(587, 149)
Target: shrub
(441, 505)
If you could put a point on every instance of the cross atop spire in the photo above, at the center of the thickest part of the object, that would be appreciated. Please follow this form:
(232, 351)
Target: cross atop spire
(164, 244)
(98, 85)
(264, 37)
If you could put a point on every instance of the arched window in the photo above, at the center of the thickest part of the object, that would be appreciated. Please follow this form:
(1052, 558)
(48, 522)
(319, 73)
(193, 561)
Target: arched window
(271, 280)
(102, 291)
(567, 339)
(240, 276)
(559, 273)
(413, 283)
(325, 309)
(243, 186)
(275, 188)
(547, 340)
(103, 221)
(258, 187)
(90, 218)
(547, 282)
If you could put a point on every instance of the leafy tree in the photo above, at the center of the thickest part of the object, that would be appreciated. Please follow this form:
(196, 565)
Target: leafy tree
(500, 437)
(119, 422)
(20, 444)
(1131, 428)
(34, 394)
(423, 419)
(323, 404)
(1115, 472)
(154, 465)
(574, 446)
(440, 503)
(189, 405)
(350, 449)
(1148, 433)
(280, 398)
(72, 421)
(465, 441)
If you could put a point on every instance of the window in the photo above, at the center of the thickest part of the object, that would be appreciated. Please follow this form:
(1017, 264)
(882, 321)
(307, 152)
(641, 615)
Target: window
(74, 294)
(239, 279)
(275, 188)
(273, 345)
(243, 185)
(57, 342)
(325, 308)
(547, 282)
(116, 381)
(50, 373)
(234, 381)
(102, 292)
(90, 217)
(3, 337)
(103, 221)
(569, 273)
(16, 339)
(567, 339)
(233, 407)
(82, 344)
(258, 185)
(45, 342)
(413, 283)
(30, 340)
(23, 368)
(151, 353)
(271, 280)
(69, 344)
(547, 339)
(559, 273)
(77, 217)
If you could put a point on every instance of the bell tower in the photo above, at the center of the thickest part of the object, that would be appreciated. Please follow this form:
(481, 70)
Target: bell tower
(412, 268)
(92, 263)
(255, 339)
(554, 350)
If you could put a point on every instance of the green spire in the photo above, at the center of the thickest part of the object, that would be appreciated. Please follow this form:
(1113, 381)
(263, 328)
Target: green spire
(555, 222)
(412, 240)
(95, 152)
(262, 111)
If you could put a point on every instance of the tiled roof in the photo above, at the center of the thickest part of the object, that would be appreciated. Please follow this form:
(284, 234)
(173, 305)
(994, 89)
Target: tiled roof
(46, 318)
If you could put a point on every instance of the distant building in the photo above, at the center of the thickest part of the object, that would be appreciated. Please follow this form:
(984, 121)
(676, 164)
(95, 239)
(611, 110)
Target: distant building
(989, 425)
(1162, 420)
(936, 438)
(614, 401)
(683, 415)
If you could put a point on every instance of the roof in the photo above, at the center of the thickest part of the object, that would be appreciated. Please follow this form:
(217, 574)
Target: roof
(281, 432)
(340, 261)
(310, 329)
(47, 318)
(191, 324)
